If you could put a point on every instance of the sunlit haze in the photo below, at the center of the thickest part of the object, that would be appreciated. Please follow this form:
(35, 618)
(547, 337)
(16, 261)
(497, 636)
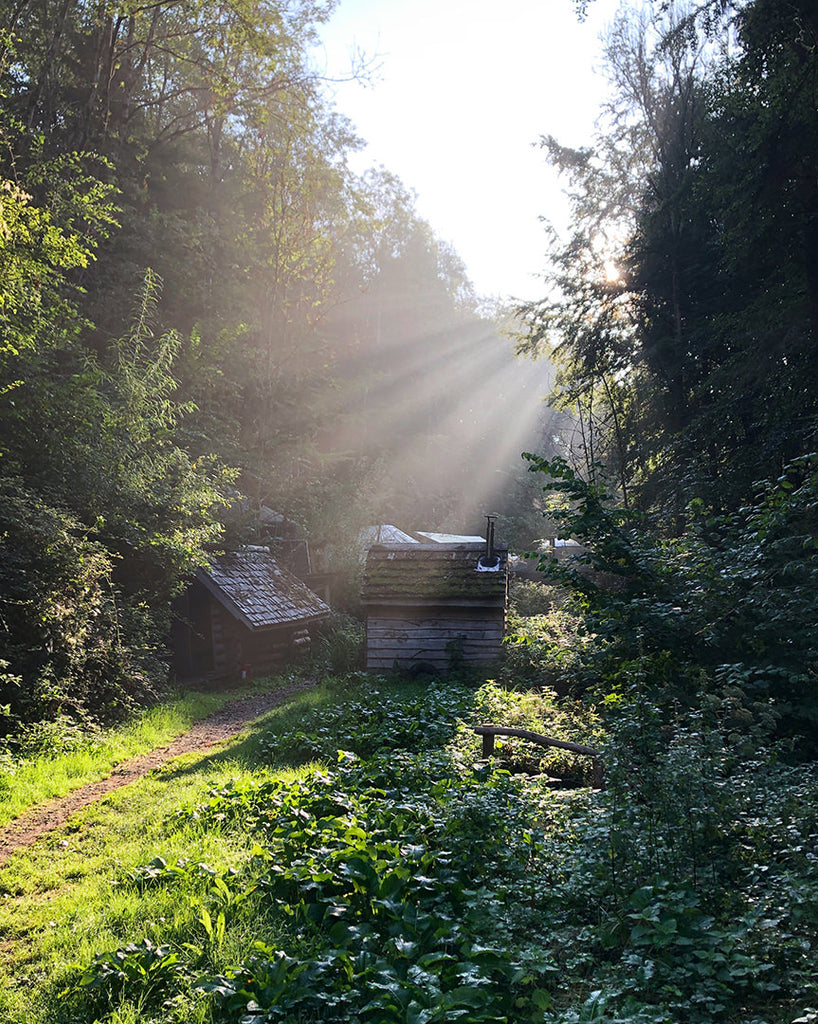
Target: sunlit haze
(464, 90)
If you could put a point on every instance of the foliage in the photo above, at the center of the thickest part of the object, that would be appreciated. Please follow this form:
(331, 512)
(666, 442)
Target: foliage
(42, 241)
(59, 620)
(404, 878)
(545, 638)
(141, 968)
(423, 884)
(529, 597)
(682, 307)
(371, 719)
(539, 710)
(102, 511)
(384, 873)
(670, 906)
(374, 719)
(700, 701)
(727, 606)
(377, 877)
(339, 644)
(104, 515)
(546, 650)
(309, 303)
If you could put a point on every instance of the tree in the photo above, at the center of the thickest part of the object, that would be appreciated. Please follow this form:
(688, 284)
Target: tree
(701, 346)
(102, 513)
(592, 317)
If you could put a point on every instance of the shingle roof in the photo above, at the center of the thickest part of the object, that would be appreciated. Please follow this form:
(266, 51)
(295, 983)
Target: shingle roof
(432, 573)
(259, 591)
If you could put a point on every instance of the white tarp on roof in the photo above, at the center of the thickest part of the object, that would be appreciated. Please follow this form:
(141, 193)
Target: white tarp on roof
(450, 538)
(384, 534)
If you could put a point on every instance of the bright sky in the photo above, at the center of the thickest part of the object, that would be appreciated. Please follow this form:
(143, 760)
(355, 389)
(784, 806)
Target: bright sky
(465, 90)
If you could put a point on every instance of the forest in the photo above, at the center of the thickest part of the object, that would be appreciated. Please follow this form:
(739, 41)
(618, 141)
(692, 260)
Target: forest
(204, 312)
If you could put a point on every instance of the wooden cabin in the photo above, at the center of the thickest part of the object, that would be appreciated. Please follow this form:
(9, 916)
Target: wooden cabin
(431, 606)
(243, 615)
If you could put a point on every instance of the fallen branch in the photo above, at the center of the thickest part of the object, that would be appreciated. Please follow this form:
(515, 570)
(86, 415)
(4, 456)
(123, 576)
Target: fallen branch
(488, 732)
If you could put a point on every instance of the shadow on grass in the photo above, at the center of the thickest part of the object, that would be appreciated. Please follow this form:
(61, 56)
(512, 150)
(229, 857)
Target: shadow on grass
(271, 744)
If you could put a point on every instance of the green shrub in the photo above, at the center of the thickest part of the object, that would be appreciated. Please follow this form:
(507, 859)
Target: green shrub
(140, 971)
(547, 650)
(735, 598)
(339, 645)
(533, 597)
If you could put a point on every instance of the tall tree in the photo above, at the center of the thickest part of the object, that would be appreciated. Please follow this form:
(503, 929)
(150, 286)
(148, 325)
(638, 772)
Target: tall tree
(701, 346)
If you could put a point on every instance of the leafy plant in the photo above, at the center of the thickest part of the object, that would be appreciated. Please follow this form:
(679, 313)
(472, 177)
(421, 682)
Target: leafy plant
(379, 873)
(141, 971)
(727, 607)
(375, 718)
(340, 644)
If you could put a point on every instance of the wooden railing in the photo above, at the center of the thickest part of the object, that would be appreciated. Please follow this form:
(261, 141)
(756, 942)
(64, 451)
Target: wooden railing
(488, 732)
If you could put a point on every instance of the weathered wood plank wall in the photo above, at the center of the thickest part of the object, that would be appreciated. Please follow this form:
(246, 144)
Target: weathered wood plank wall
(433, 605)
(407, 641)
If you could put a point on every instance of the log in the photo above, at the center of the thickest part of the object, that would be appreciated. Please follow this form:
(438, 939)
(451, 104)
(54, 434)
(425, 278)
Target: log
(488, 732)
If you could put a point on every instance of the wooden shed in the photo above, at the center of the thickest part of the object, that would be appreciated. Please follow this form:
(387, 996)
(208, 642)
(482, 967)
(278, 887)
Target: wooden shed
(429, 606)
(243, 615)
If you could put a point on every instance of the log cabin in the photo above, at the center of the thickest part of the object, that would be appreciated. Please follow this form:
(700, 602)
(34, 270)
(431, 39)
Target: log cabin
(431, 606)
(244, 614)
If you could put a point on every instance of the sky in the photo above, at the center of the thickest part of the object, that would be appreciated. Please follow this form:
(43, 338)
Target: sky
(463, 92)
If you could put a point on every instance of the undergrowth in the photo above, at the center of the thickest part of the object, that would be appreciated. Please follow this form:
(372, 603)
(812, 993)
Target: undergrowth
(406, 879)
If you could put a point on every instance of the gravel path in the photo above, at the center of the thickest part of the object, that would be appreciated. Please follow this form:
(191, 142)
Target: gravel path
(222, 725)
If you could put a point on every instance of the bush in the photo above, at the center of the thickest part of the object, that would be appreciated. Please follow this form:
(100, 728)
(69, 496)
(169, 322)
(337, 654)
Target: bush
(732, 601)
(61, 626)
(533, 597)
(339, 645)
(547, 650)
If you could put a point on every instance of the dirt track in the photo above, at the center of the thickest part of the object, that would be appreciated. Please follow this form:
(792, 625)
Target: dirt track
(222, 725)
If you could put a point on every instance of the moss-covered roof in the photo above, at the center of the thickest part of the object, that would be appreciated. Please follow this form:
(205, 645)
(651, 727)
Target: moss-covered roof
(433, 573)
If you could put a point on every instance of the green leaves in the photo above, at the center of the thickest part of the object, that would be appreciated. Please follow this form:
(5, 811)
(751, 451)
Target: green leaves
(107, 515)
(140, 970)
(387, 867)
(727, 606)
(406, 885)
(690, 369)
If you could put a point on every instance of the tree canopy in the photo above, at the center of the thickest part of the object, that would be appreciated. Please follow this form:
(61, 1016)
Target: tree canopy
(204, 311)
(682, 307)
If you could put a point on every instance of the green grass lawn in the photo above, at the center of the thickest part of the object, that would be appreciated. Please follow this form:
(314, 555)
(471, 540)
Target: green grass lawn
(28, 781)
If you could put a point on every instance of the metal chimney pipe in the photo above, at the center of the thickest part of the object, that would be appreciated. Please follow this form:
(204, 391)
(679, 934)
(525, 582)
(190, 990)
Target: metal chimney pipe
(490, 535)
(489, 562)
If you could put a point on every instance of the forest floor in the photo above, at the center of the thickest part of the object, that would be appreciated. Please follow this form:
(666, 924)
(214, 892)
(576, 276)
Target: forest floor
(223, 725)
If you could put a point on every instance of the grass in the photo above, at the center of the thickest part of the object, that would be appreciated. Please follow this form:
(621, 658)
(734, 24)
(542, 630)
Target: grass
(59, 908)
(28, 782)
(61, 902)
(408, 881)
(72, 896)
